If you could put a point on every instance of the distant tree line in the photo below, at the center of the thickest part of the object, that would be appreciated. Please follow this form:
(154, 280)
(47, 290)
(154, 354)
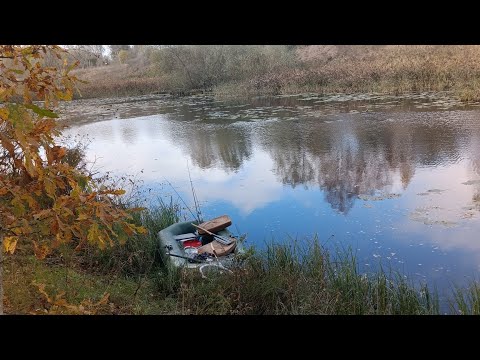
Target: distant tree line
(275, 69)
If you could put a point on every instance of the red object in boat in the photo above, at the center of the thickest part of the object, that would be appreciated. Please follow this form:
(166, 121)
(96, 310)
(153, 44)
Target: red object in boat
(192, 243)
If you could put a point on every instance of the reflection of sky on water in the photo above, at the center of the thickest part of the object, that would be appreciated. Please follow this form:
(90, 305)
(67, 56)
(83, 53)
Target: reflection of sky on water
(390, 184)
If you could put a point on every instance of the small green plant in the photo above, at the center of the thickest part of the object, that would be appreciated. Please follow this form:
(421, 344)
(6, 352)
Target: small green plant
(466, 301)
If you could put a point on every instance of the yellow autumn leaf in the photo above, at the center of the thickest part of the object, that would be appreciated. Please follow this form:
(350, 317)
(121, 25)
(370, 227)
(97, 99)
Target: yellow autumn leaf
(41, 251)
(82, 217)
(4, 113)
(30, 200)
(141, 229)
(7, 144)
(29, 165)
(9, 244)
(135, 209)
(64, 95)
(128, 229)
(92, 235)
(18, 207)
(41, 290)
(103, 300)
(49, 187)
(42, 214)
(101, 242)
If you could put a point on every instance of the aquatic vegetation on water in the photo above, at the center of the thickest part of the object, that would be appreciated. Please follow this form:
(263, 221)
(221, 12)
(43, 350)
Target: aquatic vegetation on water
(378, 197)
(471, 182)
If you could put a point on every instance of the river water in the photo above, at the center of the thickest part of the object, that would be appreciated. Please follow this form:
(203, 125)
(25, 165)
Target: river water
(395, 179)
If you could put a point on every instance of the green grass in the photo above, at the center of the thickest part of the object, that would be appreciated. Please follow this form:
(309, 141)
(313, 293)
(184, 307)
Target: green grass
(127, 295)
(288, 279)
(466, 301)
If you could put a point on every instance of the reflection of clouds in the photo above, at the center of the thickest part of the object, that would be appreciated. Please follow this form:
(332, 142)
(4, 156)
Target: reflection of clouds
(443, 191)
(463, 240)
(258, 188)
(103, 131)
(443, 207)
(252, 187)
(446, 240)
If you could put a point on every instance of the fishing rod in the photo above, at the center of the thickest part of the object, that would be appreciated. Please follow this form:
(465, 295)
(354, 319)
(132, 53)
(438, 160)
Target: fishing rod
(195, 199)
(186, 258)
(191, 212)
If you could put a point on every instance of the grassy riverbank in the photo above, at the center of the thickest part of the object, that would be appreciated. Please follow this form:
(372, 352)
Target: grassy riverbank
(250, 70)
(283, 279)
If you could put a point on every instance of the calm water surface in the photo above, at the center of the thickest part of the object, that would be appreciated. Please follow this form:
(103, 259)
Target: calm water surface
(396, 179)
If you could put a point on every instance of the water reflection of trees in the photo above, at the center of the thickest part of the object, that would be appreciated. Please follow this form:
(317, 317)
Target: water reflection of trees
(208, 146)
(350, 158)
(343, 162)
(344, 158)
(290, 154)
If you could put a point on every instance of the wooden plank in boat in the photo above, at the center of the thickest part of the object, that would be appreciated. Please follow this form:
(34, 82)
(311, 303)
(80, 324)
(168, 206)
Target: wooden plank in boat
(215, 225)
